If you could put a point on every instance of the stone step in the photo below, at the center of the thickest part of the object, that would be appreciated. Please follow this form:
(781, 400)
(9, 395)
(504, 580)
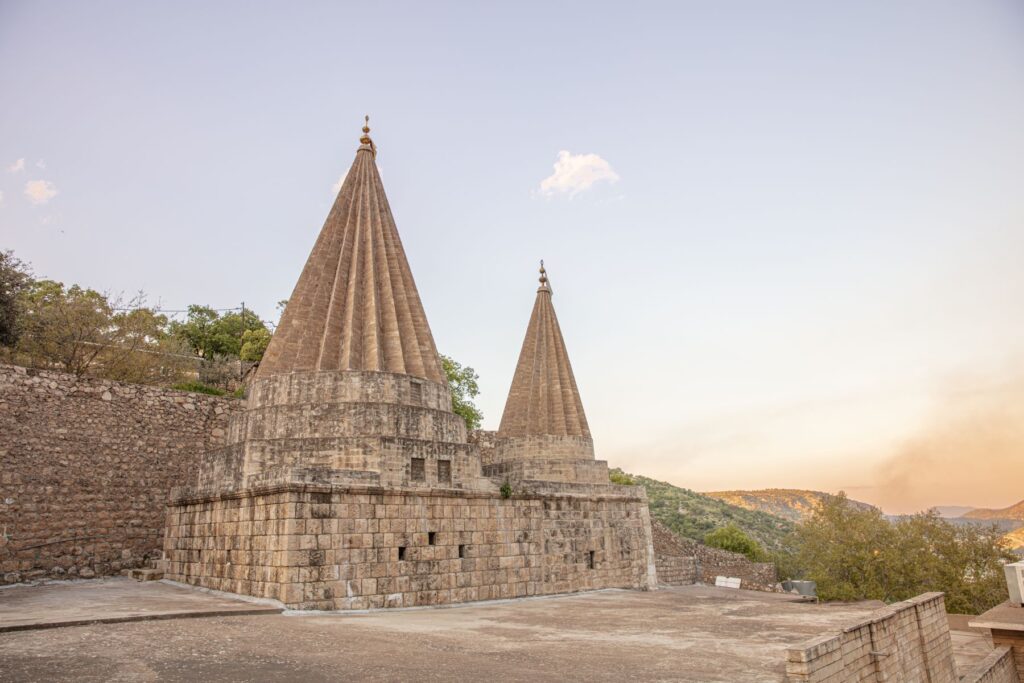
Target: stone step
(144, 574)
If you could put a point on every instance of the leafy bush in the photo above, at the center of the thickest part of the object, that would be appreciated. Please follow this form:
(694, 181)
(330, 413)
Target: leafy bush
(621, 478)
(199, 388)
(732, 538)
(464, 387)
(506, 490)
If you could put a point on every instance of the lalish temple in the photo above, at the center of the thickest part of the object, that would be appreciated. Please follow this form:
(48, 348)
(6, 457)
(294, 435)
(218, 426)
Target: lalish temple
(348, 482)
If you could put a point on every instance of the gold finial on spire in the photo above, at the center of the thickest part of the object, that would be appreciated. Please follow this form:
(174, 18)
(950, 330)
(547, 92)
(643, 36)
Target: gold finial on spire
(543, 276)
(365, 138)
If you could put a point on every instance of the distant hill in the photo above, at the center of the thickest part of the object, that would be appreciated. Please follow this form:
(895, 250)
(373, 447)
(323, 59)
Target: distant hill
(693, 515)
(794, 505)
(951, 511)
(1015, 511)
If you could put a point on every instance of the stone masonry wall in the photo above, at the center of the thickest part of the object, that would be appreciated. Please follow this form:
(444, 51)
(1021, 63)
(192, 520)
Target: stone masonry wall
(906, 641)
(340, 548)
(677, 566)
(674, 556)
(1015, 641)
(997, 667)
(86, 466)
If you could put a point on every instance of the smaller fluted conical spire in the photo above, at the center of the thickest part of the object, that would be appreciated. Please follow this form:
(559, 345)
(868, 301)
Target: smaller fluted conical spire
(544, 398)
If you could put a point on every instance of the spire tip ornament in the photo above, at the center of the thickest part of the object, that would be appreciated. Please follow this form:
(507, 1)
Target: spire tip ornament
(545, 287)
(365, 137)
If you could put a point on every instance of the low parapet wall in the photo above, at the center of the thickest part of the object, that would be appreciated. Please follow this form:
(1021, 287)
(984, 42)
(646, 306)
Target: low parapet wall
(907, 641)
(997, 667)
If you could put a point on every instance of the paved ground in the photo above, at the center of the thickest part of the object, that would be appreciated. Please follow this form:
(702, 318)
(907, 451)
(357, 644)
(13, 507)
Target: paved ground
(693, 633)
(111, 600)
(970, 647)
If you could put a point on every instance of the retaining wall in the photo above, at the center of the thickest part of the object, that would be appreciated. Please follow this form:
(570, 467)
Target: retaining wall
(86, 466)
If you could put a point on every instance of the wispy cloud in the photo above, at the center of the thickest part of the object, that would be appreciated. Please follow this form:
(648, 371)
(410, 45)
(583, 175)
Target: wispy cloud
(336, 187)
(575, 173)
(40, 191)
(41, 164)
(17, 166)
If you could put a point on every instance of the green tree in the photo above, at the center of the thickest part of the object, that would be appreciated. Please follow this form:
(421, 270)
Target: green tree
(210, 334)
(15, 279)
(85, 332)
(254, 344)
(462, 382)
(857, 554)
(65, 327)
(732, 538)
(844, 549)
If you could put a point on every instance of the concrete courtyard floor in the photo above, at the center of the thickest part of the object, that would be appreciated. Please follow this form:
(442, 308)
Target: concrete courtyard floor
(112, 600)
(691, 633)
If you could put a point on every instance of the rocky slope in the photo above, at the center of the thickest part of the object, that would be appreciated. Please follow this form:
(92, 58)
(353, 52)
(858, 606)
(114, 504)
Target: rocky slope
(693, 515)
(1015, 541)
(794, 505)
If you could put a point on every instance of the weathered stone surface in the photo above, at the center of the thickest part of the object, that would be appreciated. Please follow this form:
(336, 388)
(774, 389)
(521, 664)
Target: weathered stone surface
(338, 548)
(906, 641)
(85, 467)
(543, 398)
(348, 483)
(682, 561)
(355, 306)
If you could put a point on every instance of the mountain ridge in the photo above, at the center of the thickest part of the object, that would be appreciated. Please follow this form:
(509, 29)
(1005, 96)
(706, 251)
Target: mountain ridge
(1015, 511)
(794, 505)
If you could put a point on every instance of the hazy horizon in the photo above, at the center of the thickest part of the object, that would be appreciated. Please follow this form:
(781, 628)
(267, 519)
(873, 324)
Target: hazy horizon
(784, 239)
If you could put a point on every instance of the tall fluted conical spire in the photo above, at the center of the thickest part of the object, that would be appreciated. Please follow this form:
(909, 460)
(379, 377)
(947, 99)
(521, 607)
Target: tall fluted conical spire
(544, 399)
(355, 306)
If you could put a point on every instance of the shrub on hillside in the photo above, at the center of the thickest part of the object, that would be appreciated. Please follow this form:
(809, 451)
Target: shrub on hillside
(733, 539)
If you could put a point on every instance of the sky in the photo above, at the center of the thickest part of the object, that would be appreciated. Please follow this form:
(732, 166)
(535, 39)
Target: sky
(785, 239)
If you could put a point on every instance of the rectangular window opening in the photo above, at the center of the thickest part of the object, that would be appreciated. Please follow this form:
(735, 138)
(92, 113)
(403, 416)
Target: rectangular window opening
(431, 537)
(418, 470)
(590, 560)
(416, 392)
(444, 471)
(401, 553)
(462, 552)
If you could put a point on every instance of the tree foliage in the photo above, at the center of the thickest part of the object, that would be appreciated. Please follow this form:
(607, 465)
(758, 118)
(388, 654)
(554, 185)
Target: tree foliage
(44, 323)
(254, 344)
(15, 278)
(621, 478)
(462, 382)
(210, 334)
(857, 554)
(732, 538)
(85, 332)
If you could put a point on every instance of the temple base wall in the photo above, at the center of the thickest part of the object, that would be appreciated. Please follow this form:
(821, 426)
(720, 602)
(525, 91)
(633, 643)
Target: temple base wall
(331, 547)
